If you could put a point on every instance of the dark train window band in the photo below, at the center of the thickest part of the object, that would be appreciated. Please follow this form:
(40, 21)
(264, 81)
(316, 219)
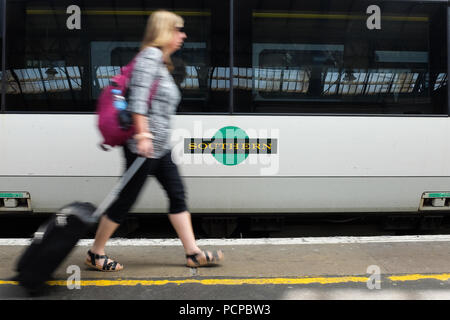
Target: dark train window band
(63, 52)
(341, 57)
(282, 57)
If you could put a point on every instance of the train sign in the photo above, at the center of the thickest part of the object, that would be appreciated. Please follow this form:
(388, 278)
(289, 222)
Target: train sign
(230, 145)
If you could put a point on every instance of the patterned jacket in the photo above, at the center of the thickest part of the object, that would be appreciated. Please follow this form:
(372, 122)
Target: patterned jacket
(150, 66)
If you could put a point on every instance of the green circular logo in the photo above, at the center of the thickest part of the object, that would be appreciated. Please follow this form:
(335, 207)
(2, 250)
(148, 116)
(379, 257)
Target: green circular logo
(230, 137)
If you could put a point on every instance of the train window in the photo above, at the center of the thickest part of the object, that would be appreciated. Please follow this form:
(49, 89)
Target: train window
(62, 53)
(340, 57)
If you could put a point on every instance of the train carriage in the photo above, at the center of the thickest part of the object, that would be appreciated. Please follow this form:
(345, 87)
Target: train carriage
(288, 106)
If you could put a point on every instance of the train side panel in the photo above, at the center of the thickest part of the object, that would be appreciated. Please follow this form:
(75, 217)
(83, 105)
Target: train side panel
(320, 164)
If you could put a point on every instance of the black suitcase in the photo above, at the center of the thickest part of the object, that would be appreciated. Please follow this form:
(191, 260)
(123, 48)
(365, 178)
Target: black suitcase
(55, 239)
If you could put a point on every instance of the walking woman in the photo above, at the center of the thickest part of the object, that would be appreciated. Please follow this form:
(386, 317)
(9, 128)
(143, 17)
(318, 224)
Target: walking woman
(163, 36)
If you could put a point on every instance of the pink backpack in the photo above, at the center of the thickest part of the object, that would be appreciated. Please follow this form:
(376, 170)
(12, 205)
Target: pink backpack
(108, 114)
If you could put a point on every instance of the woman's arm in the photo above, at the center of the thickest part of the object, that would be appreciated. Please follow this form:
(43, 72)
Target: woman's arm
(142, 78)
(143, 136)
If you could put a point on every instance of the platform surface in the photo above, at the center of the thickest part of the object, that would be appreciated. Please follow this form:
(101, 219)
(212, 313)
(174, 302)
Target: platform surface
(408, 267)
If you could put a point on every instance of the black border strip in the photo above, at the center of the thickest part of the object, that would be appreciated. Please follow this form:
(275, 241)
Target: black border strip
(448, 59)
(231, 95)
(3, 84)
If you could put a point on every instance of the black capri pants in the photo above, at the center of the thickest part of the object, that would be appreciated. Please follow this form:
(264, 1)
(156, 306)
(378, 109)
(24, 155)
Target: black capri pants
(165, 171)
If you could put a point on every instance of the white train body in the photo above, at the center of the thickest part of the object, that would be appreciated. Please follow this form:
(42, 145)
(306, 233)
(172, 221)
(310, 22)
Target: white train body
(323, 164)
(288, 106)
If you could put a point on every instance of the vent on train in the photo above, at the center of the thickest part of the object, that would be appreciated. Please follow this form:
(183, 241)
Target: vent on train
(15, 201)
(435, 201)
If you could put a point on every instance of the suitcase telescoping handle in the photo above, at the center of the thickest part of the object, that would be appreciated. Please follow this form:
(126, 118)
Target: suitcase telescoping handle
(110, 198)
(114, 193)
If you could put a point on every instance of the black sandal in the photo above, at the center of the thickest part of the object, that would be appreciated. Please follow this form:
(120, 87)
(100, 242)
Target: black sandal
(217, 257)
(107, 267)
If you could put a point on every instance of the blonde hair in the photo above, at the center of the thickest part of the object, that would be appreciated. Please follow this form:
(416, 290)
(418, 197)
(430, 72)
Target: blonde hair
(160, 29)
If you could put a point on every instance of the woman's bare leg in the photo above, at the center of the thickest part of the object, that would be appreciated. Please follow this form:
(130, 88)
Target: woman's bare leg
(182, 224)
(105, 230)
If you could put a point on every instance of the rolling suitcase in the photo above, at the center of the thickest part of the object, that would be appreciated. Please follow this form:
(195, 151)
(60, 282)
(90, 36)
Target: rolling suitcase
(56, 238)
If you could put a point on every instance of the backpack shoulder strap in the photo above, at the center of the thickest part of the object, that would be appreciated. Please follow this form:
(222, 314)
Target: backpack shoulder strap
(154, 86)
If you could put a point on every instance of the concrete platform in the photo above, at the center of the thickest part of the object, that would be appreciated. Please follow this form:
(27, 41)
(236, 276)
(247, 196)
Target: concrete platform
(272, 258)
(308, 262)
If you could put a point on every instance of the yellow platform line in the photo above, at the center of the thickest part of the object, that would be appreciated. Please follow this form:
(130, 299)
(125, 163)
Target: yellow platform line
(243, 281)
(415, 277)
(257, 281)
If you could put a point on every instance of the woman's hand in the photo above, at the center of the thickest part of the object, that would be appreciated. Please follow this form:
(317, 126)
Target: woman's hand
(145, 147)
(144, 143)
